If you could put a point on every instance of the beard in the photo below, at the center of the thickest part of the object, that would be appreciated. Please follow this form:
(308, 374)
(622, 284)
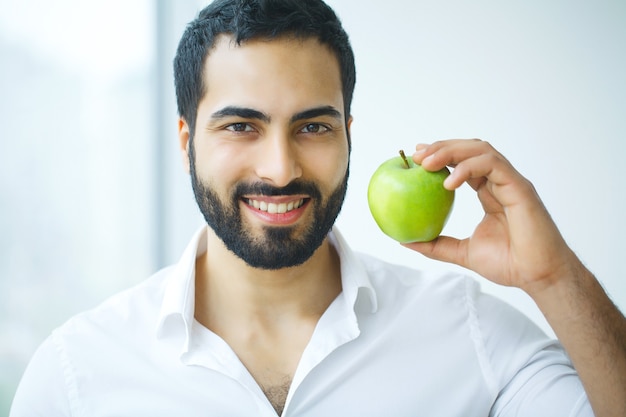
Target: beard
(277, 247)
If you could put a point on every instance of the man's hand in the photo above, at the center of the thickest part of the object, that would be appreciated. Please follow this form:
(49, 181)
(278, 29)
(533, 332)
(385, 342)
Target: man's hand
(518, 244)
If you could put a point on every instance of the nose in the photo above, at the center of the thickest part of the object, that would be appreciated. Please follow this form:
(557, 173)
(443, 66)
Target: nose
(277, 160)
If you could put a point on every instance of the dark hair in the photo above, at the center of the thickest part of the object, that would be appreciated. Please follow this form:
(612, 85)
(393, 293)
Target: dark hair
(254, 19)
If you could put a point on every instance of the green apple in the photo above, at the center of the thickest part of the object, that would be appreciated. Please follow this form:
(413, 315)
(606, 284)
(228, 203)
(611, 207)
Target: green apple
(407, 202)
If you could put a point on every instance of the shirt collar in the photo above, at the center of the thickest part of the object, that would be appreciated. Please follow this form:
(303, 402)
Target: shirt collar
(179, 296)
(178, 303)
(355, 281)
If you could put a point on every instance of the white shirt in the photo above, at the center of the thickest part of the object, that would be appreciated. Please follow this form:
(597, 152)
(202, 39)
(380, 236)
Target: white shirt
(396, 342)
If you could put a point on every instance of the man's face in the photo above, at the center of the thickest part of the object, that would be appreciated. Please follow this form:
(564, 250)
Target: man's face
(270, 160)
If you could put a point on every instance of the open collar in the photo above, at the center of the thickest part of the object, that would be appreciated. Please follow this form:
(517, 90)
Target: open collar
(176, 315)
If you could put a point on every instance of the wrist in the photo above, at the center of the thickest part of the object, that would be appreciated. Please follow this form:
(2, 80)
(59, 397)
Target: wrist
(560, 294)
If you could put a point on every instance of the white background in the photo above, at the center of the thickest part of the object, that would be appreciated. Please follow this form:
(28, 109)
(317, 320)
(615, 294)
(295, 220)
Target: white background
(88, 209)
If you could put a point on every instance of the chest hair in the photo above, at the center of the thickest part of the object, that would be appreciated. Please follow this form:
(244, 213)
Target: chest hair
(277, 394)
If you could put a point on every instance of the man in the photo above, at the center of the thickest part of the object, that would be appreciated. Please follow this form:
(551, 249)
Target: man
(270, 313)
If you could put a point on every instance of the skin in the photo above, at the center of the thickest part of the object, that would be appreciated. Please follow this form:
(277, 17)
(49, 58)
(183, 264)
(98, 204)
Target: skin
(268, 316)
(517, 244)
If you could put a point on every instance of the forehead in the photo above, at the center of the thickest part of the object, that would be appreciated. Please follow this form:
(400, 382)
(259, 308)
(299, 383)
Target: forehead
(288, 70)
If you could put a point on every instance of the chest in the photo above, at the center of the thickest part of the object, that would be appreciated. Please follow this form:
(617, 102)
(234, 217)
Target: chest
(362, 377)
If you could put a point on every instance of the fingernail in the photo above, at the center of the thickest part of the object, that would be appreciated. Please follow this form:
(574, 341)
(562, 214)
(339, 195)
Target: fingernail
(448, 182)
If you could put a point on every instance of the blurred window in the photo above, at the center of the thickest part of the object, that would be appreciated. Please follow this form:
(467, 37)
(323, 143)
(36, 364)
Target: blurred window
(88, 156)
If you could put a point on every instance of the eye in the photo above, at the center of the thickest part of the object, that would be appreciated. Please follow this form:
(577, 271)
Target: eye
(240, 127)
(314, 128)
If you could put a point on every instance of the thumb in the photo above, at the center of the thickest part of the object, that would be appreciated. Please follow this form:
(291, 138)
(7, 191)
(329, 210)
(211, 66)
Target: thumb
(443, 248)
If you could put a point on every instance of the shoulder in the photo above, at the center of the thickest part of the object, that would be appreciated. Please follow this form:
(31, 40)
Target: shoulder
(43, 379)
(86, 341)
(451, 309)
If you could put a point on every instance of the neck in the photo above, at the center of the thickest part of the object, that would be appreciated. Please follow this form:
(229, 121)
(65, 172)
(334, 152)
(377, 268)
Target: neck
(231, 294)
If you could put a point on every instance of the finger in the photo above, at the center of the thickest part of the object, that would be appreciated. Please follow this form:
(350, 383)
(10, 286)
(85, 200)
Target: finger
(443, 248)
(488, 201)
(449, 152)
(490, 166)
(436, 160)
(494, 176)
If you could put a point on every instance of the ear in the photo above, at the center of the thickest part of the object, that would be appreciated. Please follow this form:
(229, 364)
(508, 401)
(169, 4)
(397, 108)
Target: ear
(183, 139)
(349, 131)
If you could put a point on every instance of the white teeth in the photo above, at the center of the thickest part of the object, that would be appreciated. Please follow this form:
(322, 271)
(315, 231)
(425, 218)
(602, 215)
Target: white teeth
(274, 208)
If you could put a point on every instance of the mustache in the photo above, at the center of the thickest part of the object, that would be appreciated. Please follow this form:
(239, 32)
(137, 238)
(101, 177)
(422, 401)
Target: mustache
(262, 188)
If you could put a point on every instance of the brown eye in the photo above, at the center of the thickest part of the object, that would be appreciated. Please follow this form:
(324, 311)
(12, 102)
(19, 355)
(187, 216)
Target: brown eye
(239, 127)
(314, 128)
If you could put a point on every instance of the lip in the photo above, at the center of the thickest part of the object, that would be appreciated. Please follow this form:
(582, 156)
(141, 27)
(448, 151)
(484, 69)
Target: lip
(276, 210)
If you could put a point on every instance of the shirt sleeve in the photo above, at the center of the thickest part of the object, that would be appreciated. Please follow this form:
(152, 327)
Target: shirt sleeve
(531, 373)
(42, 390)
(544, 387)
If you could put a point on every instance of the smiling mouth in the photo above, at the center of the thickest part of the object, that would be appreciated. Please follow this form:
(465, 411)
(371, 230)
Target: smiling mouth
(276, 208)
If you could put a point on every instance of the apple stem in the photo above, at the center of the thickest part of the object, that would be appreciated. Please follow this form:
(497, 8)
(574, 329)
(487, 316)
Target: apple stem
(406, 163)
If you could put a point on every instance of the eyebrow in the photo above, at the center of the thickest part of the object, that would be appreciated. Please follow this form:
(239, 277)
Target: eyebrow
(243, 112)
(248, 113)
(317, 112)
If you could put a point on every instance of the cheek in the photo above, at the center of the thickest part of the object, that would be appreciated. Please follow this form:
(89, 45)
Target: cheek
(329, 167)
(219, 164)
